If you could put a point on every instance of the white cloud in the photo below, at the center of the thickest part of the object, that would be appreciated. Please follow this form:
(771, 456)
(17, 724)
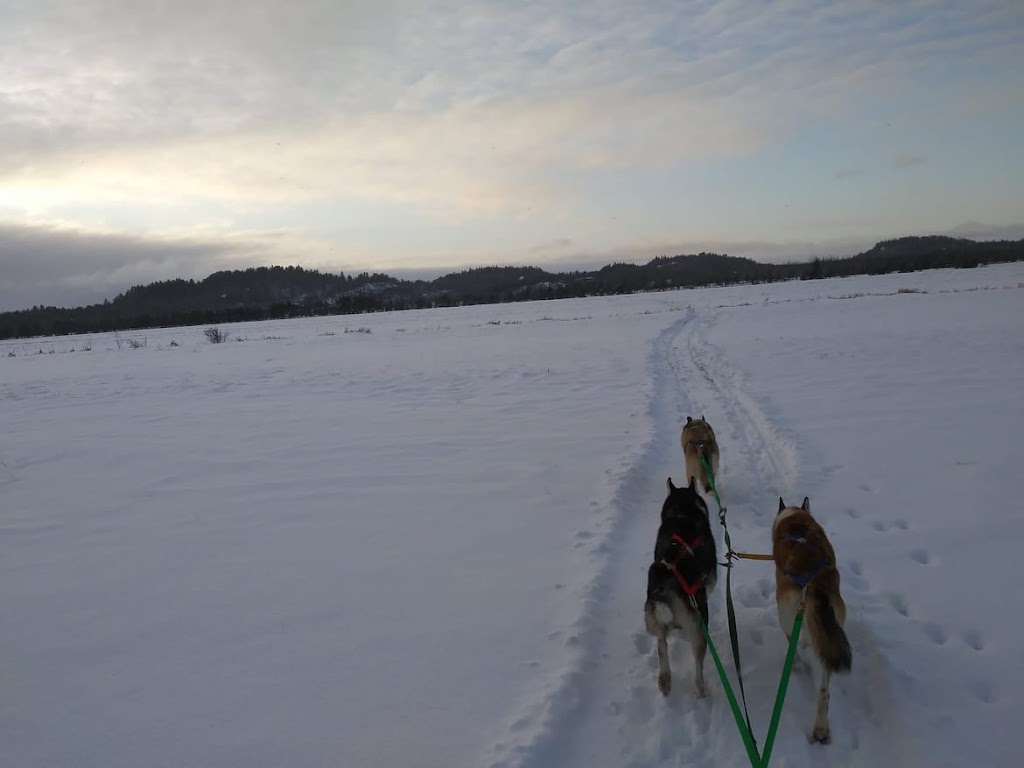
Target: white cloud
(472, 113)
(482, 157)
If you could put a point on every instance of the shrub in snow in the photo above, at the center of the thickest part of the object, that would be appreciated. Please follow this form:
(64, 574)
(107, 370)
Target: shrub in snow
(215, 335)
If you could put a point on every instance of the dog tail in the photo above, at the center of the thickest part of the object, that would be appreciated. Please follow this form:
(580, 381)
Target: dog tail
(827, 635)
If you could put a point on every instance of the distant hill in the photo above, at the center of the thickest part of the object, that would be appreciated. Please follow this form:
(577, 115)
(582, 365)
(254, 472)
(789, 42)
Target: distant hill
(265, 293)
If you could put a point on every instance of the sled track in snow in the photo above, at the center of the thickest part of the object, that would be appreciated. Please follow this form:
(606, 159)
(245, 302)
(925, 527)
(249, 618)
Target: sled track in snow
(537, 733)
(606, 709)
(760, 462)
(716, 389)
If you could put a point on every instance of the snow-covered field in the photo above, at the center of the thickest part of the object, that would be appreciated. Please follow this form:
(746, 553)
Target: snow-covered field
(427, 545)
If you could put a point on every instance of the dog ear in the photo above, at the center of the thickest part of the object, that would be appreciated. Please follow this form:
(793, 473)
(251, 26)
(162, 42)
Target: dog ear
(693, 483)
(807, 504)
(670, 486)
(702, 417)
(782, 504)
(689, 419)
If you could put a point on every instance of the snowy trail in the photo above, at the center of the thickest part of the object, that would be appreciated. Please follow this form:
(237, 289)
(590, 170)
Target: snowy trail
(620, 717)
(760, 463)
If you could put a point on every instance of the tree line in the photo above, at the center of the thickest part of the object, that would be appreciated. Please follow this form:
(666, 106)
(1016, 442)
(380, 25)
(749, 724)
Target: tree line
(265, 293)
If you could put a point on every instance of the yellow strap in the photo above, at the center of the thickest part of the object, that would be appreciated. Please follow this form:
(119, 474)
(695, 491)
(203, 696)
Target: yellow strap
(749, 556)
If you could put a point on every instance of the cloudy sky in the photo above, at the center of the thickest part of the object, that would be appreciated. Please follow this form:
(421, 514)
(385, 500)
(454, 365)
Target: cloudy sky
(147, 140)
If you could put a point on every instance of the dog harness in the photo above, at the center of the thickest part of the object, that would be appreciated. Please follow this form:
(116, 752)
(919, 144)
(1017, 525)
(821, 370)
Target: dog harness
(686, 549)
(801, 580)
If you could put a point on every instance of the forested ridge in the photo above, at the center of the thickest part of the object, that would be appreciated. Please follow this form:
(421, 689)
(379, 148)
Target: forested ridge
(264, 293)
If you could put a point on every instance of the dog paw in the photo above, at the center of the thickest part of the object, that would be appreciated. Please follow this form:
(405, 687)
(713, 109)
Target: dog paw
(820, 736)
(665, 683)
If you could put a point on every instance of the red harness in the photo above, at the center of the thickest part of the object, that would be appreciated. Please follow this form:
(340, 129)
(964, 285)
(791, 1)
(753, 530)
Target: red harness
(686, 549)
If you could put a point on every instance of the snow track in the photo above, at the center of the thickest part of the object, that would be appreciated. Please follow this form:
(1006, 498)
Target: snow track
(714, 388)
(609, 711)
(538, 733)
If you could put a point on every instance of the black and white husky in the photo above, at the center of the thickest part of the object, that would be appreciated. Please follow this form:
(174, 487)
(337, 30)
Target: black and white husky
(680, 578)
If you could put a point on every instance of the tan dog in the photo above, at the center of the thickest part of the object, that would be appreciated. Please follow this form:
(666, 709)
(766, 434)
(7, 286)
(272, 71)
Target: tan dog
(698, 440)
(804, 559)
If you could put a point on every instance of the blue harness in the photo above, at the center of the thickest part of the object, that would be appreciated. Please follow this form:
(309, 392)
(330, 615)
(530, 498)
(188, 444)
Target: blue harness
(801, 580)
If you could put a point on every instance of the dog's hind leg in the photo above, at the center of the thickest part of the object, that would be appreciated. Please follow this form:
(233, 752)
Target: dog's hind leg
(821, 733)
(787, 604)
(660, 629)
(698, 640)
(699, 645)
(693, 469)
(664, 670)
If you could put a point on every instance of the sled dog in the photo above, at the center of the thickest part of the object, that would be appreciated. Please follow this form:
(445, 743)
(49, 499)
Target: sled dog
(804, 559)
(681, 576)
(698, 440)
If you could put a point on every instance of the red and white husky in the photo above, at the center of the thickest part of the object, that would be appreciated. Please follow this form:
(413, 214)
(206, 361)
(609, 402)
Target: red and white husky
(804, 560)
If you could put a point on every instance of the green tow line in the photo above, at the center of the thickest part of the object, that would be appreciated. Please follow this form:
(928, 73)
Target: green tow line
(780, 697)
(757, 760)
(745, 732)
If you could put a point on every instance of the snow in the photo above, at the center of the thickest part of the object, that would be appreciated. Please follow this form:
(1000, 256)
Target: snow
(427, 544)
